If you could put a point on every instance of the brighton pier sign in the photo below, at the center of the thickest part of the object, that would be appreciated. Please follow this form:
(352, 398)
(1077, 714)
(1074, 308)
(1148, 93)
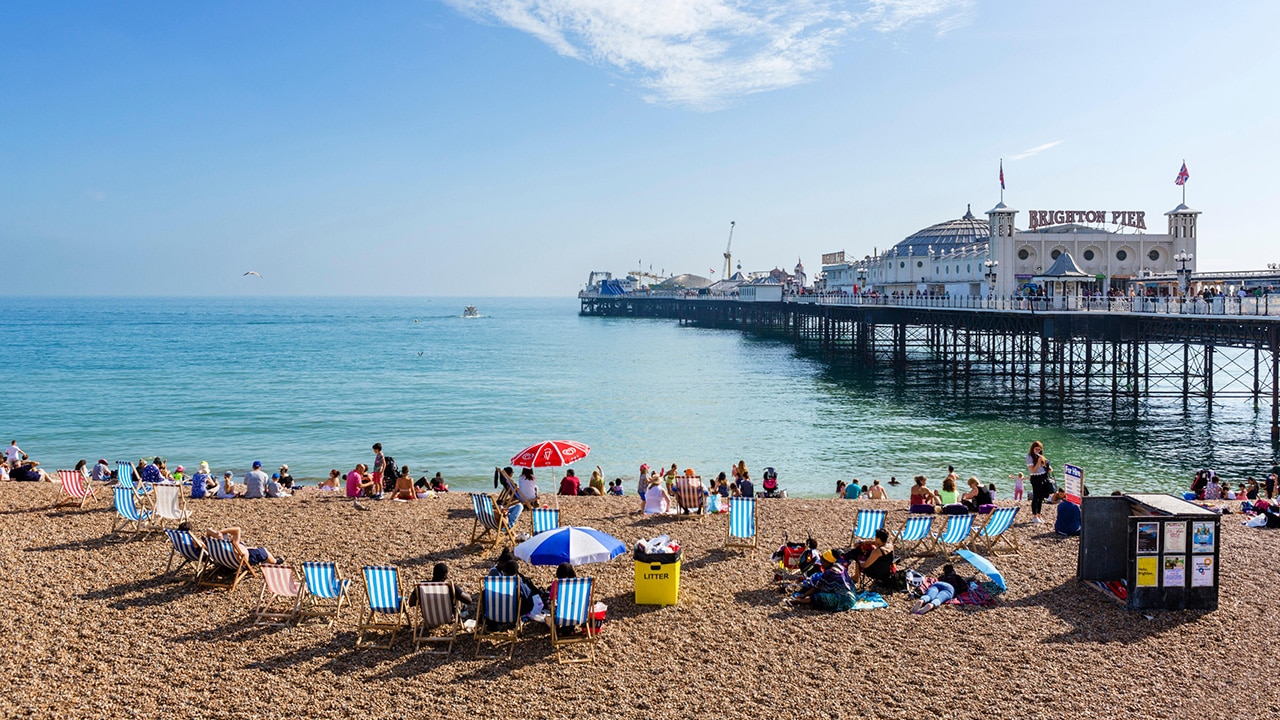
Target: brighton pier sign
(1125, 218)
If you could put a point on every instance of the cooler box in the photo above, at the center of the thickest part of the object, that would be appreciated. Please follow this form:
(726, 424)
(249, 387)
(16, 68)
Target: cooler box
(657, 578)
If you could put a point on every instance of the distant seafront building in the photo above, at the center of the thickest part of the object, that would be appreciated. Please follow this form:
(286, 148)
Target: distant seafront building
(1111, 247)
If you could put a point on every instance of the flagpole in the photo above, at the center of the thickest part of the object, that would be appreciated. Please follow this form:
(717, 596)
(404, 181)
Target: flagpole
(1001, 181)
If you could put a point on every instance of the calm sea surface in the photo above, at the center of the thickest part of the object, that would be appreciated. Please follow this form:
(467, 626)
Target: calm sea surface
(313, 382)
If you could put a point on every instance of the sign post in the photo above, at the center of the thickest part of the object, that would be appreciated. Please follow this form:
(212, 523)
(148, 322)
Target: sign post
(1073, 482)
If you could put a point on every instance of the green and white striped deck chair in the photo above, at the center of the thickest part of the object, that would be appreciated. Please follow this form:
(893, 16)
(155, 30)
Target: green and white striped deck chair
(572, 608)
(998, 532)
(957, 533)
(915, 532)
(869, 521)
(544, 519)
(498, 615)
(741, 530)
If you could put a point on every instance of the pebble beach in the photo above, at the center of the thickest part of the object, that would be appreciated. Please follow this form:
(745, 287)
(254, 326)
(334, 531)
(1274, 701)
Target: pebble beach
(95, 629)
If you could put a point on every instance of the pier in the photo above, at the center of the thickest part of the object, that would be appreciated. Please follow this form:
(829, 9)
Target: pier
(1056, 348)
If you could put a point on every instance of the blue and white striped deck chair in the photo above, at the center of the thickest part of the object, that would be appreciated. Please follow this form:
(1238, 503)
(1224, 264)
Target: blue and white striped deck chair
(544, 519)
(128, 514)
(325, 592)
(498, 618)
(189, 549)
(869, 521)
(223, 558)
(124, 478)
(957, 533)
(386, 607)
(915, 531)
(741, 530)
(572, 608)
(489, 522)
(998, 531)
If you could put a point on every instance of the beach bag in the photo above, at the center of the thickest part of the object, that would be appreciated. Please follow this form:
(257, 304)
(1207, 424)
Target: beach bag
(713, 504)
(922, 509)
(955, 509)
(986, 508)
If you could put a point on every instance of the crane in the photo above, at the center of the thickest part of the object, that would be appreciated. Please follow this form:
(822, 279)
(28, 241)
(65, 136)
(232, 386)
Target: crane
(728, 256)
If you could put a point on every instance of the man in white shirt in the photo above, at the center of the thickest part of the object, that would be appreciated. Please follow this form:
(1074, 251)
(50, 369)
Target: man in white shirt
(13, 453)
(255, 481)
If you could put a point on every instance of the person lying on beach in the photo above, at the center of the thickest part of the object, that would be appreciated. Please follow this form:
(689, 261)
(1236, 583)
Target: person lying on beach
(830, 588)
(942, 590)
(28, 471)
(254, 556)
(876, 491)
(657, 500)
(877, 562)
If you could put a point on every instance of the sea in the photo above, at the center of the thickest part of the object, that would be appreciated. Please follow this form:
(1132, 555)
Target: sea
(313, 382)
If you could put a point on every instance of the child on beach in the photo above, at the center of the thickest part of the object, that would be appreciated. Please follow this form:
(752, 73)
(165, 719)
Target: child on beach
(1018, 480)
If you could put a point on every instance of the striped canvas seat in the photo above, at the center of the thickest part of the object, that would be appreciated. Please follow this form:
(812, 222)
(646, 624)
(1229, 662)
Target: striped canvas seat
(572, 608)
(325, 592)
(128, 515)
(489, 522)
(741, 531)
(544, 519)
(385, 611)
(124, 478)
(998, 532)
(436, 609)
(169, 505)
(957, 533)
(185, 546)
(869, 521)
(74, 488)
(499, 613)
(915, 531)
(223, 559)
(280, 598)
(690, 495)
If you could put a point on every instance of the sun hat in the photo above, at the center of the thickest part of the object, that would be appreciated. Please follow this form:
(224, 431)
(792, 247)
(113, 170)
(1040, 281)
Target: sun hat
(688, 472)
(204, 466)
(284, 467)
(181, 469)
(829, 557)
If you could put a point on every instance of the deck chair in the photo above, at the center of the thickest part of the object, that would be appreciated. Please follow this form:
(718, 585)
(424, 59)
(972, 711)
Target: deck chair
(914, 533)
(544, 519)
(489, 522)
(690, 495)
(280, 600)
(957, 533)
(128, 514)
(223, 557)
(170, 505)
(74, 488)
(511, 491)
(741, 530)
(572, 607)
(325, 591)
(869, 521)
(187, 547)
(386, 608)
(498, 615)
(124, 478)
(437, 609)
(998, 532)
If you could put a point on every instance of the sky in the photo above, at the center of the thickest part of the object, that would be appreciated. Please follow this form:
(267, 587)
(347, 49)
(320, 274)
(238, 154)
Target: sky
(478, 148)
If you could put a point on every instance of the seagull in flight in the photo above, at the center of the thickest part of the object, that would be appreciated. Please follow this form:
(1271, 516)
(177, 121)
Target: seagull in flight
(254, 273)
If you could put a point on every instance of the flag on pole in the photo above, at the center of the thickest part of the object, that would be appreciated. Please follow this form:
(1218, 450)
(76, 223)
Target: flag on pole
(1001, 173)
(1183, 175)
(713, 271)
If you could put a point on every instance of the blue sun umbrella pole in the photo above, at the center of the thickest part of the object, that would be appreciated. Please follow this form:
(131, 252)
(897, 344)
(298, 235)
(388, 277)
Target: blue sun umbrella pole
(574, 545)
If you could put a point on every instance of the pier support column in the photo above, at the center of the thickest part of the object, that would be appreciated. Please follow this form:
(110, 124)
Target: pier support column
(1275, 384)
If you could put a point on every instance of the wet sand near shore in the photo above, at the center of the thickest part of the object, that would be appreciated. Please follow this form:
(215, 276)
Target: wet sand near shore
(95, 630)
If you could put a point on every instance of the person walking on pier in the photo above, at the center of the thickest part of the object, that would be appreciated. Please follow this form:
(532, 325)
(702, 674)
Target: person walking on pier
(1038, 468)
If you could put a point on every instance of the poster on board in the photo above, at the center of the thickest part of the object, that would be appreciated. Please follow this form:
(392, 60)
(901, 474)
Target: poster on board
(1148, 571)
(1202, 537)
(1073, 482)
(1175, 571)
(1148, 537)
(1175, 537)
(1202, 571)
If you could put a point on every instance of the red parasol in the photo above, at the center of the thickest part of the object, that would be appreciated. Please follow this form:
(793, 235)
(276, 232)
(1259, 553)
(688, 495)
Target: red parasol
(550, 453)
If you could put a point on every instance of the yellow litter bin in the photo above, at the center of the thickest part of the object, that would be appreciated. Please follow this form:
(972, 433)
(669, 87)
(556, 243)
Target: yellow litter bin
(657, 578)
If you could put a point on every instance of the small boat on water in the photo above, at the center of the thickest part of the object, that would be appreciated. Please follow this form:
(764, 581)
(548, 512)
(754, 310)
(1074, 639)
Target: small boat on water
(470, 312)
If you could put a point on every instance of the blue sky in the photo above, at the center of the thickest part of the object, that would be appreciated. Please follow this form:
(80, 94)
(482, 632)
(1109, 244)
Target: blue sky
(509, 147)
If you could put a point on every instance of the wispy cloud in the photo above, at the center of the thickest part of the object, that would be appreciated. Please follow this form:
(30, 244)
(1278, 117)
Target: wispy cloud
(1035, 150)
(704, 53)
(97, 195)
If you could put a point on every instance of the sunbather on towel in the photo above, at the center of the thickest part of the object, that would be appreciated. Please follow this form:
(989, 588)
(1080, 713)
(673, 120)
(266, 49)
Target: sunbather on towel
(255, 556)
(942, 590)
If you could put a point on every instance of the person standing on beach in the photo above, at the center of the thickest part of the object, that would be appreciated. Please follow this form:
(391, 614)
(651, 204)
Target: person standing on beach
(643, 485)
(1038, 468)
(13, 453)
(379, 464)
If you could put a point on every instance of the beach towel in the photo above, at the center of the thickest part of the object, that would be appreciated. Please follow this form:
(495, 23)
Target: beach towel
(975, 595)
(869, 601)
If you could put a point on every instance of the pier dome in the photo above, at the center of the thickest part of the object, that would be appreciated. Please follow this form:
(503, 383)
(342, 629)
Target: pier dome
(950, 235)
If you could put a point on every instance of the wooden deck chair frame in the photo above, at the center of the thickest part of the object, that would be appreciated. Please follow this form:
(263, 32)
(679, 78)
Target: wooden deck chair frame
(740, 541)
(542, 512)
(437, 609)
(141, 520)
(507, 636)
(940, 545)
(329, 604)
(691, 495)
(912, 546)
(126, 476)
(75, 486)
(510, 494)
(201, 557)
(180, 503)
(1006, 537)
(384, 618)
(223, 557)
(280, 586)
(583, 598)
(481, 530)
(874, 521)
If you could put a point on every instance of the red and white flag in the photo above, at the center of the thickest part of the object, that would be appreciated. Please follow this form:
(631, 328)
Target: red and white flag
(1001, 173)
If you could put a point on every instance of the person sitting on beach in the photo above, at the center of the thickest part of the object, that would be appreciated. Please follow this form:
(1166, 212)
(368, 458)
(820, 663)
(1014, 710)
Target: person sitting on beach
(595, 486)
(977, 496)
(333, 482)
(943, 589)
(1212, 489)
(273, 488)
(830, 589)
(657, 500)
(876, 491)
(100, 472)
(226, 489)
(947, 495)
(922, 498)
(877, 562)
(255, 482)
(440, 573)
(353, 481)
(528, 486)
(4, 471)
(745, 488)
(202, 482)
(1251, 492)
(1067, 522)
(853, 491)
(29, 470)
(179, 475)
(564, 571)
(511, 568)
(403, 489)
(151, 474)
(255, 556)
(286, 479)
(615, 489)
(504, 557)
(569, 484)
(840, 488)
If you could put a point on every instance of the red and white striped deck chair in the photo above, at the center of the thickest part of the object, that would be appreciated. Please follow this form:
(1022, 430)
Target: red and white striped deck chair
(74, 488)
(281, 596)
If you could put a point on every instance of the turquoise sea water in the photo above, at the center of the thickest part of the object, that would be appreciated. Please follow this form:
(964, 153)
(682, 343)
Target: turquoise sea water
(314, 382)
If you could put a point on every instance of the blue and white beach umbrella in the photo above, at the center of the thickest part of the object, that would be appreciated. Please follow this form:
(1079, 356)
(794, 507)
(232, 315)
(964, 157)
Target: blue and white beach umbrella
(574, 545)
(983, 565)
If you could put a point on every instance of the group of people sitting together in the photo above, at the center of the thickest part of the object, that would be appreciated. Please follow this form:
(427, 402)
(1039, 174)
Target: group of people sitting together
(18, 466)
(949, 500)
(1207, 485)
(828, 580)
(673, 491)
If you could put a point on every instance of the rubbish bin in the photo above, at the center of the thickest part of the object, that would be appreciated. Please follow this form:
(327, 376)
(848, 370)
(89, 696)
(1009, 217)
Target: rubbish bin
(657, 578)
